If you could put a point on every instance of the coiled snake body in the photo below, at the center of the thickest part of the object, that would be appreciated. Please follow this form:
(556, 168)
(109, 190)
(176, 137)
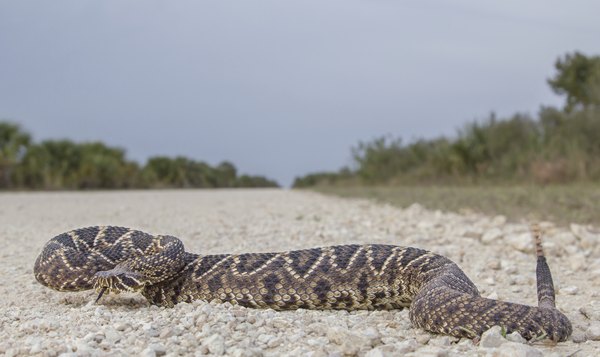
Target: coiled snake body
(441, 297)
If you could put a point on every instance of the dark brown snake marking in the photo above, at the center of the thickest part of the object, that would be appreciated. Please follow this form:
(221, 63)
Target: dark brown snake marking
(441, 297)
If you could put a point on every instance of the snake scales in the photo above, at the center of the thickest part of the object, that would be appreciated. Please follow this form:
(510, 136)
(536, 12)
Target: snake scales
(441, 297)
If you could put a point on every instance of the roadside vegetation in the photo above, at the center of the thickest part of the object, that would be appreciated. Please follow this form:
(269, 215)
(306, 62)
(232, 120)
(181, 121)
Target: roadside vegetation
(558, 146)
(562, 204)
(64, 164)
(547, 165)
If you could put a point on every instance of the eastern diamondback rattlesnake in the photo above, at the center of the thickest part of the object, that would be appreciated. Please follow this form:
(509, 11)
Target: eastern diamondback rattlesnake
(441, 297)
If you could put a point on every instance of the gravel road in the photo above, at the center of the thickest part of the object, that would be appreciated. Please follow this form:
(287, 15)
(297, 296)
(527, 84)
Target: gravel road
(496, 254)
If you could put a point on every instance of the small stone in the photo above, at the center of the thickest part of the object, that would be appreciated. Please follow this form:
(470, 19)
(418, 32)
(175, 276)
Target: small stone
(353, 346)
(422, 339)
(521, 242)
(148, 352)
(499, 220)
(388, 350)
(158, 348)
(578, 262)
(264, 338)
(491, 236)
(112, 336)
(274, 342)
(569, 290)
(243, 352)
(493, 295)
(593, 332)
(371, 333)
(350, 343)
(166, 332)
(93, 337)
(515, 349)
(591, 310)
(215, 344)
(578, 336)
(406, 346)
(35, 348)
(564, 239)
(337, 335)
(432, 351)
(464, 344)
(414, 209)
(316, 342)
(100, 310)
(587, 237)
(82, 348)
(494, 264)
(440, 341)
(492, 337)
(121, 326)
(151, 332)
(472, 234)
(515, 337)
(375, 352)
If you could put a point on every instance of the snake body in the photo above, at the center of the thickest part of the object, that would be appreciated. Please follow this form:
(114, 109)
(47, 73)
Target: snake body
(442, 299)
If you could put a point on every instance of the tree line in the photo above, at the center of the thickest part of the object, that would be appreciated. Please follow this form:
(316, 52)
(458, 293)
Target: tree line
(64, 164)
(557, 146)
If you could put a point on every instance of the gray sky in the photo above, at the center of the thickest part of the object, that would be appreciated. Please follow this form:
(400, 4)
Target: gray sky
(280, 88)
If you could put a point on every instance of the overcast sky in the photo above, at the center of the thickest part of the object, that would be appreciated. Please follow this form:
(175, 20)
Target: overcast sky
(280, 88)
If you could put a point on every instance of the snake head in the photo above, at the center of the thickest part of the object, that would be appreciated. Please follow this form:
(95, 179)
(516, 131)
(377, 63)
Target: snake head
(118, 280)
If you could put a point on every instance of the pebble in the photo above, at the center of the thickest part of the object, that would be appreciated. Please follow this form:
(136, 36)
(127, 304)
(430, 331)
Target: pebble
(158, 348)
(591, 310)
(516, 337)
(371, 333)
(375, 352)
(494, 264)
(587, 238)
(521, 242)
(215, 344)
(499, 220)
(152, 332)
(423, 338)
(440, 341)
(515, 349)
(407, 346)
(121, 326)
(112, 335)
(569, 290)
(492, 337)
(578, 336)
(148, 352)
(432, 351)
(491, 236)
(493, 295)
(593, 331)
(354, 346)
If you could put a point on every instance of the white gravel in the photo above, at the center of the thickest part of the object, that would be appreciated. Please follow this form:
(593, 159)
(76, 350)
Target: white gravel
(496, 255)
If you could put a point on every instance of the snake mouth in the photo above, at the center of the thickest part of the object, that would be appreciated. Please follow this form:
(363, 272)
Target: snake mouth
(116, 284)
(117, 281)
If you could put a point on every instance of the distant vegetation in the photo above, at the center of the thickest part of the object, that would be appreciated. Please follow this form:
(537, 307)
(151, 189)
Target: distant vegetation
(557, 146)
(64, 164)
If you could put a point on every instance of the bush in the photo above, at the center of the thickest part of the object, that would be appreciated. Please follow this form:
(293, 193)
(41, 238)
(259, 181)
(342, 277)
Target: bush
(64, 164)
